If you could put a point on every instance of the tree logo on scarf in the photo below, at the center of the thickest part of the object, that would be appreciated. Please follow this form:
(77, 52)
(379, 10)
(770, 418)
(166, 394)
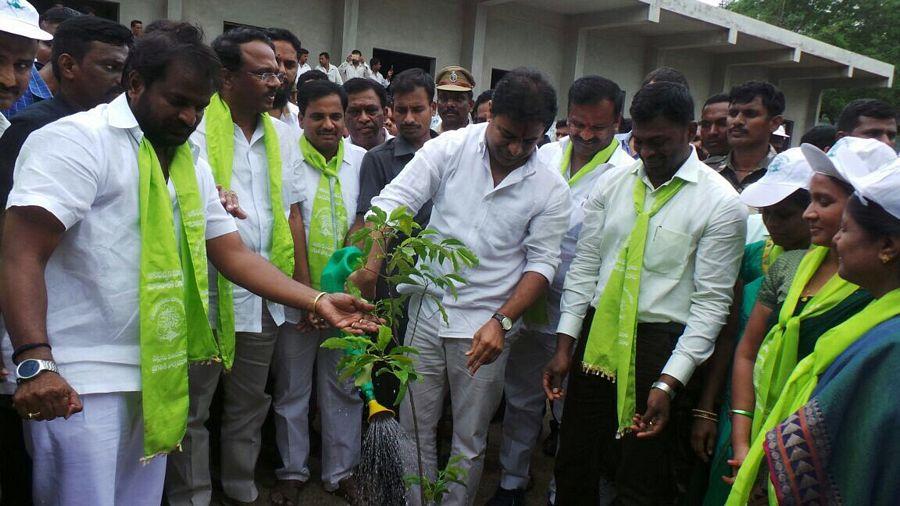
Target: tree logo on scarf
(169, 317)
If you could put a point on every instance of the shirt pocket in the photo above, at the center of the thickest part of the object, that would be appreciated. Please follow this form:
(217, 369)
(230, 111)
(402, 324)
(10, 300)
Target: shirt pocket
(667, 252)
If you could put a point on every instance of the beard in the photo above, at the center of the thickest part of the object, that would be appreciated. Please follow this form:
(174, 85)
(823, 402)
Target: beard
(281, 98)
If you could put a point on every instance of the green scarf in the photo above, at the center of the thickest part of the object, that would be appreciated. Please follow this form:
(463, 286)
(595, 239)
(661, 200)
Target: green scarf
(173, 293)
(600, 158)
(610, 349)
(328, 224)
(802, 381)
(220, 152)
(537, 314)
(777, 355)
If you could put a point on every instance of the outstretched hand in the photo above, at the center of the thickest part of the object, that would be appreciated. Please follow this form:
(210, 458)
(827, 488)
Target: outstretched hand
(347, 313)
(229, 200)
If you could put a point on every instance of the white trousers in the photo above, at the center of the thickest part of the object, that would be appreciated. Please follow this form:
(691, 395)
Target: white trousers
(441, 365)
(340, 407)
(94, 457)
(525, 402)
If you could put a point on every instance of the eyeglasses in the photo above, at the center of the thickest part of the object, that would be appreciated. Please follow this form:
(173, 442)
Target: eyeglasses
(267, 76)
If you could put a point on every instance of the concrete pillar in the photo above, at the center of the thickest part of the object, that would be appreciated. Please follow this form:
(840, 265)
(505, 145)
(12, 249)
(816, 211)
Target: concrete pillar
(175, 10)
(474, 34)
(345, 27)
(573, 60)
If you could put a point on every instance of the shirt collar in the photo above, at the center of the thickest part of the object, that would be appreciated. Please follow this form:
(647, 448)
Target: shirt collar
(37, 86)
(402, 147)
(763, 163)
(518, 174)
(688, 172)
(120, 115)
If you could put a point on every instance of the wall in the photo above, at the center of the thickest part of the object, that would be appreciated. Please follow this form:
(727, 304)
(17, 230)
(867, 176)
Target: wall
(617, 56)
(430, 28)
(145, 10)
(696, 66)
(519, 35)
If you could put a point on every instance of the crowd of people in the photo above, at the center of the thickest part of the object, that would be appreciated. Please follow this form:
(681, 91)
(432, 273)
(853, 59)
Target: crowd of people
(709, 316)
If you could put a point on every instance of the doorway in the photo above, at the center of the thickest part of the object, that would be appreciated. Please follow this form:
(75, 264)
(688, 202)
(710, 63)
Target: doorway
(402, 61)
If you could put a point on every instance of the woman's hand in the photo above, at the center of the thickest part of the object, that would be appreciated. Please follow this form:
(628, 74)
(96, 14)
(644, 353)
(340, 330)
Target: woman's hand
(740, 453)
(703, 438)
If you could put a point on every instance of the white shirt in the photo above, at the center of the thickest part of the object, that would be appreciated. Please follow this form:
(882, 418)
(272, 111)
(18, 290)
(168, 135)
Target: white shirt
(348, 174)
(693, 253)
(250, 180)
(301, 70)
(552, 155)
(4, 124)
(378, 78)
(350, 71)
(89, 182)
(333, 74)
(291, 118)
(387, 137)
(512, 228)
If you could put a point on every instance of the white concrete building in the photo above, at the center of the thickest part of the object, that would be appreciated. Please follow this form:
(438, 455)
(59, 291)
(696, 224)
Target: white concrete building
(619, 39)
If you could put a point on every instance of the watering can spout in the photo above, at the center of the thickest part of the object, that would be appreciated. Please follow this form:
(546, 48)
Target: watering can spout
(376, 408)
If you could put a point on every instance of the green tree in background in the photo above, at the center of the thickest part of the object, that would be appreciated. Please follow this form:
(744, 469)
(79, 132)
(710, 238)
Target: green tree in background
(868, 27)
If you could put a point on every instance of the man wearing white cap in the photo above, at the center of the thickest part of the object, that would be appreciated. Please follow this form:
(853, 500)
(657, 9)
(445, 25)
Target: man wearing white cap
(19, 36)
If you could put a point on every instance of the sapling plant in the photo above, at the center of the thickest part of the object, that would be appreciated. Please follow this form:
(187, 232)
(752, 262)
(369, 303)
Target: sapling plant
(425, 262)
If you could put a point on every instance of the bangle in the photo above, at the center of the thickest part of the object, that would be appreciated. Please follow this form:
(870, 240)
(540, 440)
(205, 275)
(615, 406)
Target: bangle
(703, 412)
(704, 417)
(661, 385)
(316, 301)
(27, 347)
(748, 414)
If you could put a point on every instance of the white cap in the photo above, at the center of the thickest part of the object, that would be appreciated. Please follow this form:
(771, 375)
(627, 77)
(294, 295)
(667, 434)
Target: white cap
(882, 187)
(780, 132)
(18, 17)
(849, 158)
(786, 173)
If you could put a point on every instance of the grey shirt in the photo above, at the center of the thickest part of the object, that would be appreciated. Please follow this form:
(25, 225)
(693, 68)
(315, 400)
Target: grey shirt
(380, 166)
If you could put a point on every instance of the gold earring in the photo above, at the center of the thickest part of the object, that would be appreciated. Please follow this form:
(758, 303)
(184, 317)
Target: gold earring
(885, 258)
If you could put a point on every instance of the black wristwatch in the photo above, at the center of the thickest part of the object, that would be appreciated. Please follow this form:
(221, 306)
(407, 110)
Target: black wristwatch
(505, 322)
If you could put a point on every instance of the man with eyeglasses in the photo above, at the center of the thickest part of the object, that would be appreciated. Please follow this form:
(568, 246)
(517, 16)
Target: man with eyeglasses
(454, 97)
(256, 157)
(590, 149)
(366, 111)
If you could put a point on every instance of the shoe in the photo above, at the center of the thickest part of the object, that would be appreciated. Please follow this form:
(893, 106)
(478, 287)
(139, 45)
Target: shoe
(348, 490)
(506, 497)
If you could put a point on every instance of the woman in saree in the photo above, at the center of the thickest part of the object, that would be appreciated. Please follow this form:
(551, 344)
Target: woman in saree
(831, 437)
(801, 297)
(781, 196)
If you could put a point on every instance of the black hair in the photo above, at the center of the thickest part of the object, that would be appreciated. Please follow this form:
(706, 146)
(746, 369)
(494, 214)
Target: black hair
(74, 37)
(625, 125)
(325, 54)
(361, 84)
(171, 42)
(136, 22)
(356, 51)
(316, 89)
(669, 100)
(820, 136)
(310, 75)
(869, 107)
(374, 61)
(483, 97)
(589, 90)
(302, 51)
(716, 99)
(57, 15)
(410, 79)
(285, 35)
(228, 45)
(665, 75)
(561, 123)
(772, 98)
(872, 218)
(524, 95)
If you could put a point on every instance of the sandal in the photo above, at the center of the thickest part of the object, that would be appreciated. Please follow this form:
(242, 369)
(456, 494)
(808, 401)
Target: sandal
(286, 492)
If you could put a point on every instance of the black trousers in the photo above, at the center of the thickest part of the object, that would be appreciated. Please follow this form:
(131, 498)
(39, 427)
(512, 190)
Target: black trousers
(641, 471)
(15, 464)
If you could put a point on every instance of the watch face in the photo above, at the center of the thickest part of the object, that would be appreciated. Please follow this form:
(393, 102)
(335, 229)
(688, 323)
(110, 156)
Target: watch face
(506, 323)
(28, 368)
